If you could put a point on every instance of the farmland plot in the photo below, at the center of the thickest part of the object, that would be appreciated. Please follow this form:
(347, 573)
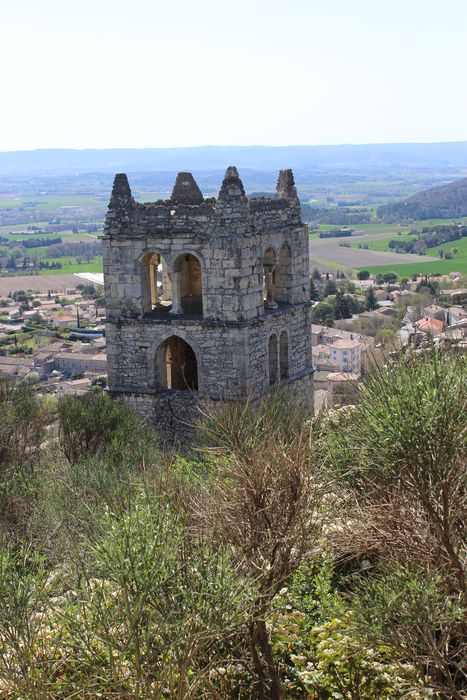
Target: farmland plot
(38, 283)
(330, 251)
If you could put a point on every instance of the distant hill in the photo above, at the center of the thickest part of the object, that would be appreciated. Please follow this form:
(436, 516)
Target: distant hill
(440, 202)
(449, 157)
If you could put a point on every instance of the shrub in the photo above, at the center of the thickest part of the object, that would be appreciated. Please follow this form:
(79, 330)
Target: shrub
(400, 455)
(408, 612)
(149, 612)
(94, 425)
(22, 425)
(268, 507)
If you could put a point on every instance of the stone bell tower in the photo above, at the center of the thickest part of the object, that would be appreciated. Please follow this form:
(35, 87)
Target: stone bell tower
(206, 299)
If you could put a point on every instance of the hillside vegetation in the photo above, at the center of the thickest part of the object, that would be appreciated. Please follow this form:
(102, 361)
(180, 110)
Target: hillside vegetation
(443, 202)
(282, 557)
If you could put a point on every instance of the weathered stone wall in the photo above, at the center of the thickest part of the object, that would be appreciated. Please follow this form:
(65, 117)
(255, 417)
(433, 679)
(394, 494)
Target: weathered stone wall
(231, 271)
(175, 414)
(232, 358)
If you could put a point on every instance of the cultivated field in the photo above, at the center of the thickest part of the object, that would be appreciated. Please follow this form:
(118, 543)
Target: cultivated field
(69, 264)
(381, 242)
(442, 267)
(50, 203)
(15, 234)
(326, 252)
(39, 283)
(457, 264)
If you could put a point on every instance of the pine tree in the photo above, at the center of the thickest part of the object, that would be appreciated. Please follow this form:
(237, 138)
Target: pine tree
(316, 274)
(371, 301)
(329, 288)
(342, 307)
(314, 294)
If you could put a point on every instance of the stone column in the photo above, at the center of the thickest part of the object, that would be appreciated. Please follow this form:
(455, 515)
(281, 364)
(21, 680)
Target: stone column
(268, 274)
(176, 305)
(166, 284)
(153, 282)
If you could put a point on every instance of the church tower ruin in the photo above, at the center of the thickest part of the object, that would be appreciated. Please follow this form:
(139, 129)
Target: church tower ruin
(206, 299)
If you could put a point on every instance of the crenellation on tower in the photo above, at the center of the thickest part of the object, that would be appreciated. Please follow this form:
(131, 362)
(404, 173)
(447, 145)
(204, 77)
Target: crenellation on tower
(187, 211)
(206, 299)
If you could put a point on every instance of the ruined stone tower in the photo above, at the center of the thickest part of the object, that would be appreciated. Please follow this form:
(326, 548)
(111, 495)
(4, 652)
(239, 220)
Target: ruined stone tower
(206, 299)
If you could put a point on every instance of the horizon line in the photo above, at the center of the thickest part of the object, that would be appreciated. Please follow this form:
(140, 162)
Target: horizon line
(220, 146)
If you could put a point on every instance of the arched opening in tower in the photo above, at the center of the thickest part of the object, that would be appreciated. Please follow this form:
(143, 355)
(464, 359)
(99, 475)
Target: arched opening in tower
(177, 365)
(284, 354)
(187, 271)
(269, 279)
(155, 285)
(272, 358)
(283, 276)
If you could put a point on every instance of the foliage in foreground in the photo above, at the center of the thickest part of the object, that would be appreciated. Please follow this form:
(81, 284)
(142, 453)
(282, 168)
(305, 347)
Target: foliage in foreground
(138, 615)
(399, 458)
(285, 558)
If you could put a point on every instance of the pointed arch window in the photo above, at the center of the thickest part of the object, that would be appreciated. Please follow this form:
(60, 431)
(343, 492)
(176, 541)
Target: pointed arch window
(176, 365)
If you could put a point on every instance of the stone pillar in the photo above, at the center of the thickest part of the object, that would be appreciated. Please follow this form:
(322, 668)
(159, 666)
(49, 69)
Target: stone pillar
(166, 284)
(270, 302)
(176, 305)
(153, 281)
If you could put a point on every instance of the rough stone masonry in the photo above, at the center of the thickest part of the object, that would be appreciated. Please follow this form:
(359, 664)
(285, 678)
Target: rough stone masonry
(207, 300)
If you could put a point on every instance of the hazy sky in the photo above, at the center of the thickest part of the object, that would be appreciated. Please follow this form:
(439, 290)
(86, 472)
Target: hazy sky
(108, 73)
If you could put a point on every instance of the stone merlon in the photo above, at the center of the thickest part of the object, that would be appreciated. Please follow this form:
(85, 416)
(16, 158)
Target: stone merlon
(121, 193)
(186, 191)
(286, 186)
(232, 187)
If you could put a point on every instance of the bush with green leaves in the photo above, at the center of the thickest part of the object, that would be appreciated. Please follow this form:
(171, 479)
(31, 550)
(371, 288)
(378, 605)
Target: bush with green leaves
(23, 606)
(23, 419)
(143, 610)
(399, 459)
(409, 612)
(96, 425)
(320, 654)
(22, 425)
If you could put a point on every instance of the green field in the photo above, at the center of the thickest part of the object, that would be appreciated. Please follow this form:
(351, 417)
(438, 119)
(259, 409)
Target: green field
(50, 203)
(457, 264)
(443, 267)
(66, 235)
(69, 264)
(461, 244)
(72, 266)
(12, 228)
(382, 244)
(374, 228)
